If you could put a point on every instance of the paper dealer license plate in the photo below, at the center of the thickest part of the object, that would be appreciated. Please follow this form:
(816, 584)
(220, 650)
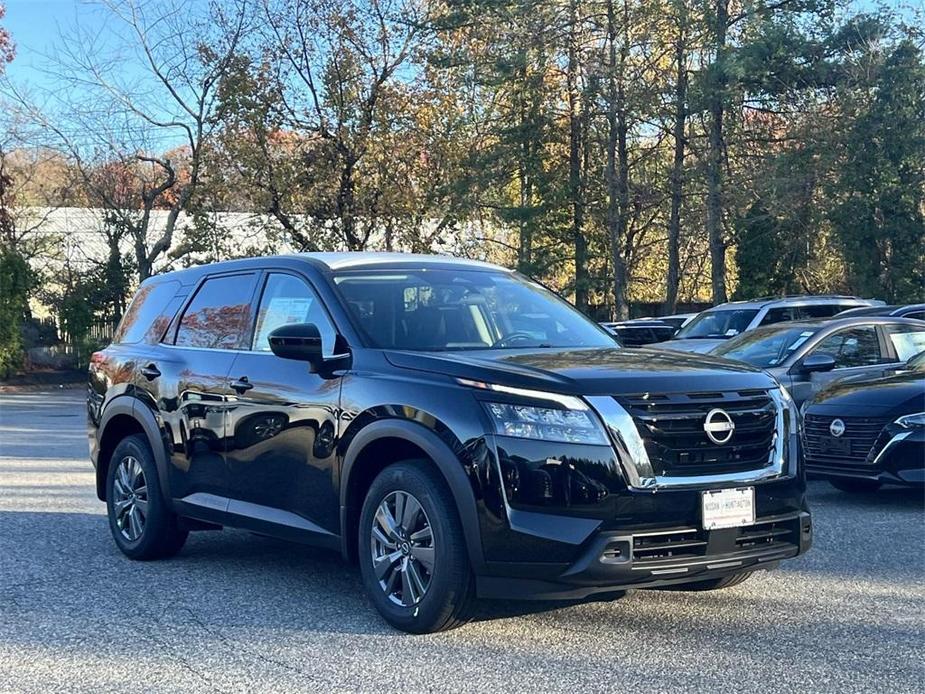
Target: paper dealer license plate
(728, 508)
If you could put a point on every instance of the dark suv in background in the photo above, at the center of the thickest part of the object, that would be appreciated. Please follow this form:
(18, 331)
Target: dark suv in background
(450, 425)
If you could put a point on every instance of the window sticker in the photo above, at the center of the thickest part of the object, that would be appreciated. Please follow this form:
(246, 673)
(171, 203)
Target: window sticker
(907, 345)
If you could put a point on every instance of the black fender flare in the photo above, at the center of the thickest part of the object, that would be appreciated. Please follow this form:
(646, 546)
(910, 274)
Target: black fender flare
(128, 405)
(446, 461)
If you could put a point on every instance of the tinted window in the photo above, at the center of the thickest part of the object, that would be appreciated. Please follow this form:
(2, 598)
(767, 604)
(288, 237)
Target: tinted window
(779, 315)
(822, 310)
(908, 340)
(287, 299)
(852, 347)
(146, 319)
(720, 323)
(918, 315)
(462, 309)
(219, 316)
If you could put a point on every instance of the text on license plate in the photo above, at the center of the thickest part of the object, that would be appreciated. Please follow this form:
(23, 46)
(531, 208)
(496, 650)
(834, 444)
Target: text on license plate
(728, 508)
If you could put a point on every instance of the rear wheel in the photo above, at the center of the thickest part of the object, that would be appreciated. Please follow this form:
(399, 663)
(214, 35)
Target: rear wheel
(713, 583)
(412, 551)
(856, 486)
(141, 522)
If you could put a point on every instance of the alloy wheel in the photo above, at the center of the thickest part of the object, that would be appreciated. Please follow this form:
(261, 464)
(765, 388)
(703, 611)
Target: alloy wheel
(402, 543)
(130, 498)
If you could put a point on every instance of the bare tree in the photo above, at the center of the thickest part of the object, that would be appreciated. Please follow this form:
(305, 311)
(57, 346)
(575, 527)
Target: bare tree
(152, 123)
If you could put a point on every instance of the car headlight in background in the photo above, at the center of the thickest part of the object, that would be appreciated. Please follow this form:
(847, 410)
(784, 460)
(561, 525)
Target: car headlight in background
(545, 424)
(912, 421)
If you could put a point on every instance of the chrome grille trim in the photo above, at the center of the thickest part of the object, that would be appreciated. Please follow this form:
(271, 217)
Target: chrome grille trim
(638, 468)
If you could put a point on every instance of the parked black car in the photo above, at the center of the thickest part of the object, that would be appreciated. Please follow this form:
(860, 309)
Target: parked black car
(916, 311)
(862, 434)
(451, 426)
(640, 331)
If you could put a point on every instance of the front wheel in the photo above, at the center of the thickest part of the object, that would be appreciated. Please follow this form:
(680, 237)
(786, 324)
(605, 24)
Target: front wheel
(856, 486)
(141, 522)
(412, 550)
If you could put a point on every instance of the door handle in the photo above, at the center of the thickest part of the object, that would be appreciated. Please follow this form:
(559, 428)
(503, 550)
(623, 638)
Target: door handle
(150, 371)
(241, 385)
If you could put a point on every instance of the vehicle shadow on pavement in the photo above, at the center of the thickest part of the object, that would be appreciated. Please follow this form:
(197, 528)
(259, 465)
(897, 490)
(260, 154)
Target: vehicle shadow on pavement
(904, 498)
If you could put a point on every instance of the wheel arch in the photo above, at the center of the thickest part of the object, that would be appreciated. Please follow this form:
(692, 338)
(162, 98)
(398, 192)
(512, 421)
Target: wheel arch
(384, 443)
(123, 417)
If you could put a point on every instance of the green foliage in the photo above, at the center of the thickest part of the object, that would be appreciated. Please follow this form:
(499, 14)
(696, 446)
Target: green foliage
(15, 285)
(879, 190)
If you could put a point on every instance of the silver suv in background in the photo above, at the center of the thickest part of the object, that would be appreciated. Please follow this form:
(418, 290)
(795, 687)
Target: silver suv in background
(722, 322)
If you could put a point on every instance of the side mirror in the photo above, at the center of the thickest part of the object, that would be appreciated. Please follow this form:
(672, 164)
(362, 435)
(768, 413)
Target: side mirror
(817, 363)
(299, 341)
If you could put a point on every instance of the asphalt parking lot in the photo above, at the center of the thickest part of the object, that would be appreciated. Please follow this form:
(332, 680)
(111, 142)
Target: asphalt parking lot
(236, 612)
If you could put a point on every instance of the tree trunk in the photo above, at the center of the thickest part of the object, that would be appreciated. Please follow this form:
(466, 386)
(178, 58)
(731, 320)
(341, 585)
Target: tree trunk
(575, 172)
(715, 156)
(617, 167)
(677, 168)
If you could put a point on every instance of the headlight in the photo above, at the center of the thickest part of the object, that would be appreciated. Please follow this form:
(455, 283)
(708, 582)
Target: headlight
(545, 424)
(912, 421)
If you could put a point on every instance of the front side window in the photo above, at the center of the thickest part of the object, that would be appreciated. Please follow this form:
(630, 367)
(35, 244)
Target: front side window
(219, 316)
(287, 299)
(852, 347)
(720, 323)
(441, 310)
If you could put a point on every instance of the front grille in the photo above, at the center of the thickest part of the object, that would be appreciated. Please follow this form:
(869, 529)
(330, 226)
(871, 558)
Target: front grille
(672, 427)
(861, 433)
(680, 546)
(669, 545)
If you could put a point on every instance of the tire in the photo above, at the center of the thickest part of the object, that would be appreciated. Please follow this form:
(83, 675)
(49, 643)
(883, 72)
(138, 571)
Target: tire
(713, 583)
(141, 522)
(396, 587)
(856, 486)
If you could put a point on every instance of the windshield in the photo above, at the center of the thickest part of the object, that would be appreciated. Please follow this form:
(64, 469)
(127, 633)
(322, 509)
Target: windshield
(442, 310)
(717, 324)
(765, 347)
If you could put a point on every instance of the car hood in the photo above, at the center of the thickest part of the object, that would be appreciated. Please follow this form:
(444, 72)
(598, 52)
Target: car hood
(904, 394)
(599, 371)
(699, 346)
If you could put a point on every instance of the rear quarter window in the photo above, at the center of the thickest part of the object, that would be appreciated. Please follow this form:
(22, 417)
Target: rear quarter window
(147, 317)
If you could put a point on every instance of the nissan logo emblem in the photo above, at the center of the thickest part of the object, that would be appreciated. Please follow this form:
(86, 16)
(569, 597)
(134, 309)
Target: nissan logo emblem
(719, 426)
(837, 428)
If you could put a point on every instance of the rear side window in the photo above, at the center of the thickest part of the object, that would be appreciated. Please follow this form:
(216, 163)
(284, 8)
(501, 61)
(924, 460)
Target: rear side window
(147, 318)
(908, 340)
(219, 316)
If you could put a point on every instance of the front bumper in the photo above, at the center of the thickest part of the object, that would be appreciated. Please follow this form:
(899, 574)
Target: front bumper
(615, 561)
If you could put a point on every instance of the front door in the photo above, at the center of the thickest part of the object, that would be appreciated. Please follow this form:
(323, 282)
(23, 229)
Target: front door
(857, 351)
(282, 418)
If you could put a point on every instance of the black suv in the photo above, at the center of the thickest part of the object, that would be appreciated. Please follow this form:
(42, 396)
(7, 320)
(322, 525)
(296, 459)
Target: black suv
(450, 425)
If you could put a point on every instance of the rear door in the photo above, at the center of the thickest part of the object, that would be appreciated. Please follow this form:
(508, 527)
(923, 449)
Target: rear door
(282, 418)
(192, 367)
